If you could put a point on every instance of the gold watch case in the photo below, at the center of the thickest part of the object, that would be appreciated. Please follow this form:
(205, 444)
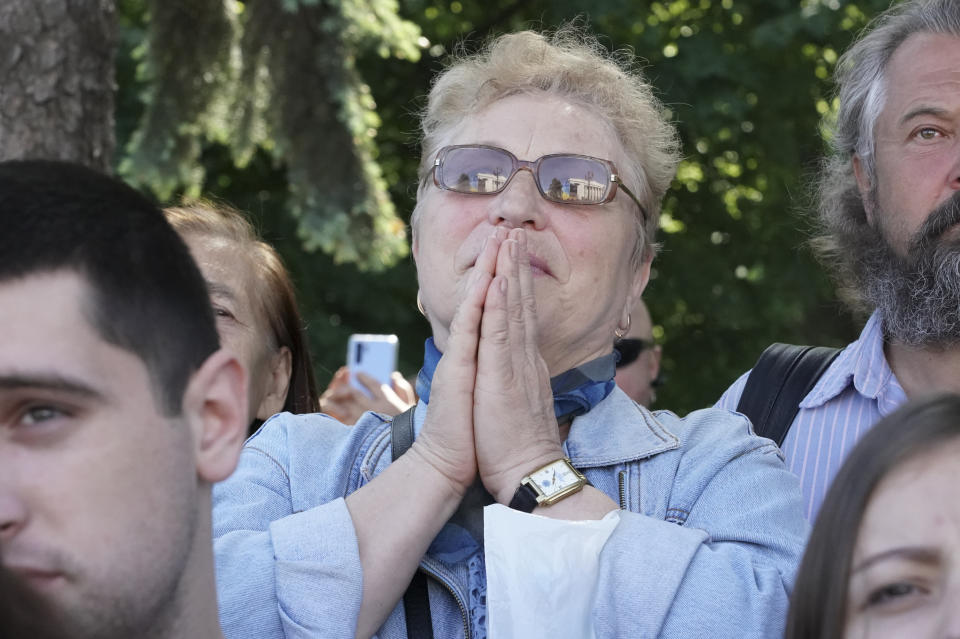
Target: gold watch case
(555, 481)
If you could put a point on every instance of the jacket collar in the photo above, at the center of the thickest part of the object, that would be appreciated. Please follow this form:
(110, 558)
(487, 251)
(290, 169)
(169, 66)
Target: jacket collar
(617, 430)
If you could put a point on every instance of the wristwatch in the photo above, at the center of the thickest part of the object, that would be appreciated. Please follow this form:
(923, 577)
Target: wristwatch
(547, 485)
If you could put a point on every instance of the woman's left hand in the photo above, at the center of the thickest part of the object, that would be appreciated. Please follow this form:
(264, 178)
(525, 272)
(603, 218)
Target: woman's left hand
(515, 430)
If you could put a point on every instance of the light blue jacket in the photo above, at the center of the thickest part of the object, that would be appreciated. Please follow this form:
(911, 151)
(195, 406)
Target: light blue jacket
(708, 548)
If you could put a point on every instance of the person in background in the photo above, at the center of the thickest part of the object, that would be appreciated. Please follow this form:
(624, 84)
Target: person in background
(638, 369)
(543, 166)
(889, 209)
(884, 555)
(118, 409)
(346, 404)
(255, 305)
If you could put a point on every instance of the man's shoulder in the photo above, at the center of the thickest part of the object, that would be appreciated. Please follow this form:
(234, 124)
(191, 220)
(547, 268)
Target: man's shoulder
(828, 384)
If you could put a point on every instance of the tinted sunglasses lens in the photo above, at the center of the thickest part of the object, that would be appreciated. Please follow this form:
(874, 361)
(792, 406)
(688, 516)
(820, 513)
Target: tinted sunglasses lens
(572, 179)
(629, 350)
(474, 170)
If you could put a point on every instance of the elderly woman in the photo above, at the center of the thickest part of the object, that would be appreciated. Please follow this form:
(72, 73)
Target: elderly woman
(543, 166)
(255, 305)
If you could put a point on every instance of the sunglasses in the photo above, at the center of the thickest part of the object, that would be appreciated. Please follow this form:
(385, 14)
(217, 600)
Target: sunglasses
(630, 349)
(566, 178)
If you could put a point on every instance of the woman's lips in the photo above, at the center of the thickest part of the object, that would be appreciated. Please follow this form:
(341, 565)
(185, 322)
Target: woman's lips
(539, 267)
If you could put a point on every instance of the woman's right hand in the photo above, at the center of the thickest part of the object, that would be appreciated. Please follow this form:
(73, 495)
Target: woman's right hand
(417, 493)
(447, 441)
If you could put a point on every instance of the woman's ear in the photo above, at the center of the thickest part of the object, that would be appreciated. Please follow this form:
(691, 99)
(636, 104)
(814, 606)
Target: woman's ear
(640, 279)
(215, 407)
(281, 369)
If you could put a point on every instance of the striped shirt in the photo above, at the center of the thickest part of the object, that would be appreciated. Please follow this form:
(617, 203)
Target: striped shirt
(857, 390)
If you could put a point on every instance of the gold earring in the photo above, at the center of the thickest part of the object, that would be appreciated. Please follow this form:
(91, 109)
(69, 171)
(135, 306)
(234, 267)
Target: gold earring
(621, 331)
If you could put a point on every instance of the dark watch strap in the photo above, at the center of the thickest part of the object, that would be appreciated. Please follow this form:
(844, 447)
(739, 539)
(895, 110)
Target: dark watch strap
(525, 499)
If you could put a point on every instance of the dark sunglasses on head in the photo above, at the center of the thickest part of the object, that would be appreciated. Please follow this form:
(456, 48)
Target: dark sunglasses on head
(566, 178)
(630, 349)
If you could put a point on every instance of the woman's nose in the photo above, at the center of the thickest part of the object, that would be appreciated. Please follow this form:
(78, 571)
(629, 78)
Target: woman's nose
(520, 204)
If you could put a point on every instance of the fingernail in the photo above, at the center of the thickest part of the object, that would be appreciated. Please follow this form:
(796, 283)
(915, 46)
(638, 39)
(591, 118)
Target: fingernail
(503, 285)
(513, 249)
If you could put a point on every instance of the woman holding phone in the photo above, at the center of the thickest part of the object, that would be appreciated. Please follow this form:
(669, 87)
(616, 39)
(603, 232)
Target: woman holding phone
(544, 160)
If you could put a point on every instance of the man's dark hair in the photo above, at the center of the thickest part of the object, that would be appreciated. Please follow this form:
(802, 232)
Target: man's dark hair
(147, 295)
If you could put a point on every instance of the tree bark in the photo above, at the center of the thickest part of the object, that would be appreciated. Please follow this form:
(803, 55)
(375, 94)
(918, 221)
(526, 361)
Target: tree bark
(57, 80)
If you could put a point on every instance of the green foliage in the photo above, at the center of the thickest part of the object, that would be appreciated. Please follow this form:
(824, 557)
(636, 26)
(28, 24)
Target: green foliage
(188, 75)
(277, 75)
(747, 83)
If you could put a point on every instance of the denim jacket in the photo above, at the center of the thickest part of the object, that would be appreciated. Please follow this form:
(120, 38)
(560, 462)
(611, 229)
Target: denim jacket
(707, 544)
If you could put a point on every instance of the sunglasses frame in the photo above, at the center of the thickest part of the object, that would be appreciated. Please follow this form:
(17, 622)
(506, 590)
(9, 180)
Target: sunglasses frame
(644, 345)
(534, 168)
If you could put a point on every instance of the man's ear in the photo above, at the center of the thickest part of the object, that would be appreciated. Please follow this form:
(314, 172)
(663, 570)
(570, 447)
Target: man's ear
(215, 406)
(865, 186)
(281, 369)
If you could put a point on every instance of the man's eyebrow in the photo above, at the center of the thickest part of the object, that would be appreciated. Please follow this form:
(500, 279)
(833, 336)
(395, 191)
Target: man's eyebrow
(48, 382)
(920, 554)
(937, 112)
(216, 288)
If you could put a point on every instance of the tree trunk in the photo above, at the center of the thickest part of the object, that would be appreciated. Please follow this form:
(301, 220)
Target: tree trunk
(57, 80)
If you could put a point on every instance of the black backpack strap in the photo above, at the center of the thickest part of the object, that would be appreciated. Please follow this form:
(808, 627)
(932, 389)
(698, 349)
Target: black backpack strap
(416, 608)
(416, 601)
(782, 377)
(401, 432)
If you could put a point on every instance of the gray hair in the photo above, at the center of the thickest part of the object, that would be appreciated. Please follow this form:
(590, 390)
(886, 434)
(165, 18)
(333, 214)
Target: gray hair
(571, 64)
(861, 92)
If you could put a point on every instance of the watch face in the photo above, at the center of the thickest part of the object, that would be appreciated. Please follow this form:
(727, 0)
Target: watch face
(554, 478)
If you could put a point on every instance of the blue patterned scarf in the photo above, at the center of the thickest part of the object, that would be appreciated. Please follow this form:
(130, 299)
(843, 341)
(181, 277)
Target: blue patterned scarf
(575, 391)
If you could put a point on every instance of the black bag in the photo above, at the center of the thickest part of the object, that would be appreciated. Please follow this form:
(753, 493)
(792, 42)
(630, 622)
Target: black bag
(416, 602)
(782, 377)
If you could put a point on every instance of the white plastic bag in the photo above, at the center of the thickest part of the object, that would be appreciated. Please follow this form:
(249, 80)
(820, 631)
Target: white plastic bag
(541, 573)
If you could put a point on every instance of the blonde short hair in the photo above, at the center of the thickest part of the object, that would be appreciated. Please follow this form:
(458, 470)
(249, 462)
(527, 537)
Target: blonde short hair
(571, 64)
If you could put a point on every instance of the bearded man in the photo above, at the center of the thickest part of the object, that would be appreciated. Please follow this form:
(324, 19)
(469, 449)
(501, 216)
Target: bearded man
(889, 214)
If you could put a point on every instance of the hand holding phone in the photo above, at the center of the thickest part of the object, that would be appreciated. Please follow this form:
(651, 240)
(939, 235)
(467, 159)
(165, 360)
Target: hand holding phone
(373, 355)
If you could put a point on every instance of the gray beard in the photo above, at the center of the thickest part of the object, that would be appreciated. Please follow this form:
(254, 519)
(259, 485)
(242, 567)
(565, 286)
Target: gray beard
(917, 295)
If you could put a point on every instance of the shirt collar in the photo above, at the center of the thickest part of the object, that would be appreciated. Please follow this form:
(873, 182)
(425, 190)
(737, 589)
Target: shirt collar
(863, 363)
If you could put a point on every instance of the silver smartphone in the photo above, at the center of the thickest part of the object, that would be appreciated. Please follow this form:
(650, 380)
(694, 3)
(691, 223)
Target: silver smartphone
(375, 355)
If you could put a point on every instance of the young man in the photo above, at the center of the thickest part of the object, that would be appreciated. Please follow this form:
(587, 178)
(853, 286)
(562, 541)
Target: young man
(889, 211)
(117, 408)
